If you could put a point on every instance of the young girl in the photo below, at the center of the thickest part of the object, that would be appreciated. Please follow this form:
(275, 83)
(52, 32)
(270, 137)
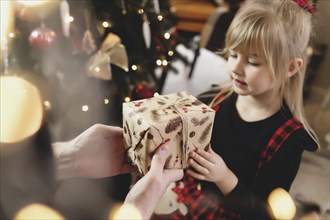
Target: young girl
(260, 131)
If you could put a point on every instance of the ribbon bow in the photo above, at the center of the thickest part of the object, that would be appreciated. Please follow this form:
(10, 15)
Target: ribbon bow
(112, 51)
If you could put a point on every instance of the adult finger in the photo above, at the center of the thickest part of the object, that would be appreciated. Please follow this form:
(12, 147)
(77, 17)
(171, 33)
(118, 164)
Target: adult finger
(159, 158)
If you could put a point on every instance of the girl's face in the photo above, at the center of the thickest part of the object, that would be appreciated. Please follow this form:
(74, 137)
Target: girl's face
(250, 74)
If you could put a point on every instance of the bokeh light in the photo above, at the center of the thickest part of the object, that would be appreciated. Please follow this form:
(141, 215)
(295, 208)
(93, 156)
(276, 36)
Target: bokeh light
(281, 204)
(38, 211)
(124, 212)
(21, 108)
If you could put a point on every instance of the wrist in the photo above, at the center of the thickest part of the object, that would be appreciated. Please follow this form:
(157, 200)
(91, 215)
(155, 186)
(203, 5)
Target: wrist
(228, 182)
(64, 160)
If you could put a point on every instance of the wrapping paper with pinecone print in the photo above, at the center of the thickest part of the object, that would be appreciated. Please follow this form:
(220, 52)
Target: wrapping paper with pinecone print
(179, 119)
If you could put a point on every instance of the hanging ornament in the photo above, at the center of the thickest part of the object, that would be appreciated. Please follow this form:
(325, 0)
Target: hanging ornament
(65, 18)
(123, 7)
(146, 31)
(42, 38)
(111, 52)
(156, 6)
(145, 25)
(142, 91)
(88, 41)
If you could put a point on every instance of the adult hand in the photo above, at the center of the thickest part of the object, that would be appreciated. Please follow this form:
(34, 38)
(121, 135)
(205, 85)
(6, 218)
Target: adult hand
(147, 192)
(97, 152)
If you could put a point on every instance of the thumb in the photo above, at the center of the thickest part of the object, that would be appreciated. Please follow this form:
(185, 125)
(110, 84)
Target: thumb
(173, 175)
(159, 158)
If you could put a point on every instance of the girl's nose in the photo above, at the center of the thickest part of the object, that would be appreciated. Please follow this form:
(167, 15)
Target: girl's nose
(238, 66)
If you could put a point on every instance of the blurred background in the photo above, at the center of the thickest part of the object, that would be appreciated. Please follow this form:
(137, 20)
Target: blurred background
(88, 57)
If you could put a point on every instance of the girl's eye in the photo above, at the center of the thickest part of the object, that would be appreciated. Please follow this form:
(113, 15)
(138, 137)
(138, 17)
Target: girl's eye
(233, 55)
(253, 63)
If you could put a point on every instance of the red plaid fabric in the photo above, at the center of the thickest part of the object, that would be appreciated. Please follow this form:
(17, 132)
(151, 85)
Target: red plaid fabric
(199, 205)
(276, 141)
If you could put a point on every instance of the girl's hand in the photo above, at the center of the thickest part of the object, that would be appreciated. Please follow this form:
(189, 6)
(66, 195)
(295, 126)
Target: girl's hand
(208, 165)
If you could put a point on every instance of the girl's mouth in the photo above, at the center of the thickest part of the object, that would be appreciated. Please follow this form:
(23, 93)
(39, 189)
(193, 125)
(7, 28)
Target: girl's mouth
(239, 83)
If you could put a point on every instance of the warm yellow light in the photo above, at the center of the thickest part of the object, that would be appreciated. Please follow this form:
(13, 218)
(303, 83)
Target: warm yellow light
(11, 35)
(105, 24)
(140, 11)
(7, 19)
(21, 109)
(170, 53)
(38, 212)
(71, 19)
(32, 3)
(125, 212)
(106, 101)
(97, 69)
(127, 99)
(160, 17)
(281, 204)
(167, 36)
(158, 62)
(85, 108)
(47, 105)
(134, 67)
(40, 7)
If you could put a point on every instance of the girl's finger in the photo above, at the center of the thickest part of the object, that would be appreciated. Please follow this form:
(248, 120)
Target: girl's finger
(202, 157)
(198, 167)
(195, 174)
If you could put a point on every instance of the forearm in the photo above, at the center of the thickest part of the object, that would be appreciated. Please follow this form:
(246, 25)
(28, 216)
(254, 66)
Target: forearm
(145, 196)
(64, 160)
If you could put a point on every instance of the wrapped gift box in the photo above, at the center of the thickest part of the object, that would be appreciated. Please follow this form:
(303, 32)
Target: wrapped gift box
(179, 119)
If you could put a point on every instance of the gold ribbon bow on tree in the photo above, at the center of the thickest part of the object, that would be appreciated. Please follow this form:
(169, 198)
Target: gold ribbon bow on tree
(112, 51)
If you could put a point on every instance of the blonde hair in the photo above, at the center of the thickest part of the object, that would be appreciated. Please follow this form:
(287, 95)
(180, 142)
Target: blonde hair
(279, 32)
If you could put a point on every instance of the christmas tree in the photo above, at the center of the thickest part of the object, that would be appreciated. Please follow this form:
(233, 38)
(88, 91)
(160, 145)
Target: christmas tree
(88, 57)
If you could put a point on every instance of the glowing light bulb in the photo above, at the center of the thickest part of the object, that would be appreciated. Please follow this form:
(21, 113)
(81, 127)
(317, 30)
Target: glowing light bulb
(165, 62)
(170, 53)
(7, 19)
(106, 101)
(47, 105)
(127, 99)
(281, 204)
(160, 17)
(21, 109)
(134, 67)
(167, 36)
(85, 108)
(156, 94)
(140, 11)
(158, 62)
(38, 211)
(105, 24)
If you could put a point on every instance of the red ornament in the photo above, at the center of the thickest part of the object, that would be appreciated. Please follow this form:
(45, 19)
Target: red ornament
(42, 38)
(143, 91)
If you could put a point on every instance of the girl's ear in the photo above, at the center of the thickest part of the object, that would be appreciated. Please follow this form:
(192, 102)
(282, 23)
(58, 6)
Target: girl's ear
(294, 66)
